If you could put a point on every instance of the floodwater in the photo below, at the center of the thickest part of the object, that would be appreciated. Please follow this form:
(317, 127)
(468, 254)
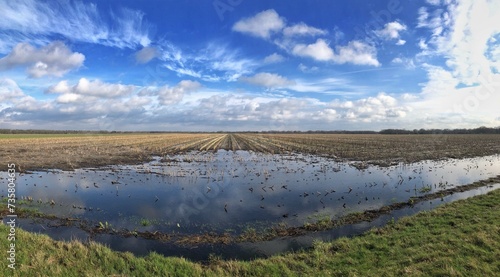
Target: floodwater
(231, 192)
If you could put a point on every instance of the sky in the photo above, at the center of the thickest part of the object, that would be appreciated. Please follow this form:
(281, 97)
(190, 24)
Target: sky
(249, 65)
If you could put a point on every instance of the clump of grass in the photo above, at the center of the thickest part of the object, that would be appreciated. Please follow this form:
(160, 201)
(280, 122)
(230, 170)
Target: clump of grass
(145, 222)
(425, 189)
(249, 234)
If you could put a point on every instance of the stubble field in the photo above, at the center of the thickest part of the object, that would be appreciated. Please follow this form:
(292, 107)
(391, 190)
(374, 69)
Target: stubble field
(33, 152)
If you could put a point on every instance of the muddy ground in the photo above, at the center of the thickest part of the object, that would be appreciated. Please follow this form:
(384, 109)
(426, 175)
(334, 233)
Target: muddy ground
(68, 153)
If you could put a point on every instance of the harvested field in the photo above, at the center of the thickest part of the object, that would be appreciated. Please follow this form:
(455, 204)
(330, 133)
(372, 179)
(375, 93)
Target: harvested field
(70, 152)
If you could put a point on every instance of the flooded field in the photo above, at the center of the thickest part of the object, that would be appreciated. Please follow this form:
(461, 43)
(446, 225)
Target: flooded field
(192, 197)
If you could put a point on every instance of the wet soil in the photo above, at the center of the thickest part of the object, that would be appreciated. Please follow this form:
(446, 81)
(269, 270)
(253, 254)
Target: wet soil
(94, 151)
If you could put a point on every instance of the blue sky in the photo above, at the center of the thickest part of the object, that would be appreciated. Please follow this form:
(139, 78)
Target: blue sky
(249, 65)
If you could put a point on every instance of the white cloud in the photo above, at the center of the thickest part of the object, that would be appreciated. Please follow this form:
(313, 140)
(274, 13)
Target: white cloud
(172, 95)
(9, 90)
(320, 50)
(422, 44)
(274, 58)
(146, 54)
(440, 80)
(267, 22)
(303, 29)
(380, 108)
(407, 62)
(268, 80)
(355, 52)
(465, 34)
(494, 55)
(94, 88)
(54, 59)
(69, 98)
(306, 69)
(462, 33)
(434, 2)
(261, 25)
(75, 20)
(443, 104)
(392, 30)
(330, 86)
(212, 63)
(165, 108)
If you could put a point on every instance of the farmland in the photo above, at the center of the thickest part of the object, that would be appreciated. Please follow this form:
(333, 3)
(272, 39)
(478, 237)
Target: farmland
(197, 195)
(76, 151)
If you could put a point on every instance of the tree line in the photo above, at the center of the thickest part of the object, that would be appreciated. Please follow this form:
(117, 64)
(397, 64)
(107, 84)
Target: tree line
(479, 130)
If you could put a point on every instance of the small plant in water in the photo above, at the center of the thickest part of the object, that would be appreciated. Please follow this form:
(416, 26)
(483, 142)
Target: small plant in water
(104, 226)
(425, 189)
(145, 222)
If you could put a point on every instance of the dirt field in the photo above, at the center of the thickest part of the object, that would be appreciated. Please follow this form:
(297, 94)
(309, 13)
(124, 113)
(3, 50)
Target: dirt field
(77, 151)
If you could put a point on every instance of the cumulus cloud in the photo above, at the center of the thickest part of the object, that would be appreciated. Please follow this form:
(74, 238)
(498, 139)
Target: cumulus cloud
(146, 54)
(261, 25)
(84, 87)
(392, 30)
(274, 58)
(154, 108)
(355, 52)
(287, 37)
(372, 109)
(75, 20)
(296, 113)
(303, 29)
(268, 80)
(172, 95)
(54, 59)
(9, 90)
(320, 50)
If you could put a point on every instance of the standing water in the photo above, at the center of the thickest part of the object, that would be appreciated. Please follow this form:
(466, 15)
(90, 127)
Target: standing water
(233, 192)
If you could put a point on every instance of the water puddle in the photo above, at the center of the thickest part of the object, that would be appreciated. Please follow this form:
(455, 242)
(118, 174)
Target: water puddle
(233, 193)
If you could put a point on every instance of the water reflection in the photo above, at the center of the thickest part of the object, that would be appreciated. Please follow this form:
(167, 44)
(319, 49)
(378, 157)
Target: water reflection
(232, 191)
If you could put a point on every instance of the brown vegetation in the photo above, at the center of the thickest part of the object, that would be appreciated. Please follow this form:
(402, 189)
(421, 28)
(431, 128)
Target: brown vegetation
(62, 152)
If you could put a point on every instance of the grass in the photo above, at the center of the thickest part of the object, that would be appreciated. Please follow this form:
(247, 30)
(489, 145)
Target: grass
(456, 239)
(145, 222)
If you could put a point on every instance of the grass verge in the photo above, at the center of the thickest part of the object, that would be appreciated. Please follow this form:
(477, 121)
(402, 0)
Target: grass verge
(457, 239)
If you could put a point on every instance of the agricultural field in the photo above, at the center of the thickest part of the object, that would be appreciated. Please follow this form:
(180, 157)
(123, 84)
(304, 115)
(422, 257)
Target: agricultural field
(77, 151)
(237, 195)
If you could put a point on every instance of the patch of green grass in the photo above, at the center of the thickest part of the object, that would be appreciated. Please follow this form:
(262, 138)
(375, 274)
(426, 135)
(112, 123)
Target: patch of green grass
(145, 222)
(457, 239)
(425, 189)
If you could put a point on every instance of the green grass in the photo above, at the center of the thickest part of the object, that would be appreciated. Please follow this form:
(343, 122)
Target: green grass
(457, 239)
(145, 222)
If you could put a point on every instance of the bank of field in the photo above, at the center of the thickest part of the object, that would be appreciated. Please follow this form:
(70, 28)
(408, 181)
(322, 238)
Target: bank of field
(72, 151)
(457, 239)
